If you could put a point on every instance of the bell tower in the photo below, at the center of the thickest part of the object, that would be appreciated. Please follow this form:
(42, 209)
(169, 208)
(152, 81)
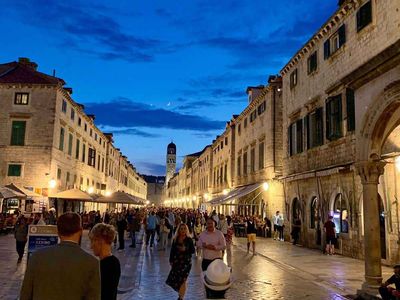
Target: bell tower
(171, 161)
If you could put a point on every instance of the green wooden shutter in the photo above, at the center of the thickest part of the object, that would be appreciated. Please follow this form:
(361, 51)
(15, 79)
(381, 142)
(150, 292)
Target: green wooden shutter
(350, 110)
(327, 49)
(328, 118)
(299, 136)
(342, 35)
(307, 130)
(290, 140)
(18, 133)
(339, 118)
(319, 126)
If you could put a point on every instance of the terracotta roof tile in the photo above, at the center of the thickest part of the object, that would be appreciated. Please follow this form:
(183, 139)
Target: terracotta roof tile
(15, 72)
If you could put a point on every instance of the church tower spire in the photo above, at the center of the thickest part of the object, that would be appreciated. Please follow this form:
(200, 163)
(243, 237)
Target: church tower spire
(171, 162)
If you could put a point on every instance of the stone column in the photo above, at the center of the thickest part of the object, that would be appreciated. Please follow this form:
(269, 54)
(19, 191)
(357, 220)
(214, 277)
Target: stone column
(369, 172)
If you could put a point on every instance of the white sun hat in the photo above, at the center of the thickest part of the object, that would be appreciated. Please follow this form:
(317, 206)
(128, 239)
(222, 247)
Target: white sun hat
(217, 277)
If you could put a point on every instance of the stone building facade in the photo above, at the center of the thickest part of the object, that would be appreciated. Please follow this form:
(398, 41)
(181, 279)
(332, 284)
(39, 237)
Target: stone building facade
(340, 124)
(239, 171)
(49, 144)
(330, 133)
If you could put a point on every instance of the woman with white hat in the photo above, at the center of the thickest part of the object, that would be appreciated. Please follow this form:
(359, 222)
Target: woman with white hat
(180, 260)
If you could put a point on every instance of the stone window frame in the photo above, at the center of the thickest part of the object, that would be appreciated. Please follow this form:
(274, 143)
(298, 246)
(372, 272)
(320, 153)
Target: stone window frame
(335, 42)
(293, 79)
(312, 63)
(18, 141)
(64, 106)
(21, 169)
(18, 98)
(364, 16)
(340, 224)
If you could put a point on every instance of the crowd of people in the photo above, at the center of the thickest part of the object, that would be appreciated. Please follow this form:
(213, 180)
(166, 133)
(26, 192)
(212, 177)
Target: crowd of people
(186, 232)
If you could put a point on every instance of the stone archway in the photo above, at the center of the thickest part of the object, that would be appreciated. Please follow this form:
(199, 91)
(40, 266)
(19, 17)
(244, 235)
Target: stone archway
(381, 119)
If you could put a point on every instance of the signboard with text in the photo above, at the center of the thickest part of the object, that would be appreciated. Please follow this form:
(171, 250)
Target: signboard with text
(40, 236)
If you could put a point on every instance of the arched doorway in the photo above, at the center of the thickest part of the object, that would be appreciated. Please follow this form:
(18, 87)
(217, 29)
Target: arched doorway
(340, 214)
(382, 227)
(315, 220)
(295, 209)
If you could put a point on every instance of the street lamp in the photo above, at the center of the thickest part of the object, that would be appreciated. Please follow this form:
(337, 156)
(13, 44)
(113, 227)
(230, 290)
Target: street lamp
(90, 190)
(52, 183)
(147, 202)
(265, 186)
(225, 192)
(108, 193)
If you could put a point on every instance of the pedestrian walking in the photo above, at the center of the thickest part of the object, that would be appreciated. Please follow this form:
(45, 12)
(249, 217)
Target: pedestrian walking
(64, 271)
(251, 234)
(164, 231)
(151, 224)
(21, 236)
(330, 233)
(197, 230)
(180, 260)
(275, 220)
(121, 227)
(212, 242)
(101, 238)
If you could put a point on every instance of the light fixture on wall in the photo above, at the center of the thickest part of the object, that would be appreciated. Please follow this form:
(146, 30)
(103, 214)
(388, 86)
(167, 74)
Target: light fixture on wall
(108, 193)
(90, 190)
(225, 192)
(265, 186)
(52, 183)
(397, 163)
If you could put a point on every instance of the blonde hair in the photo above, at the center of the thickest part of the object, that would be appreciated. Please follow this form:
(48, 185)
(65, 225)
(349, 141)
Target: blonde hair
(104, 232)
(179, 227)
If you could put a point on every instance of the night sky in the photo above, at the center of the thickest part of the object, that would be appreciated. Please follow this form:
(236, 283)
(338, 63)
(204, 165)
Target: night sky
(156, 71)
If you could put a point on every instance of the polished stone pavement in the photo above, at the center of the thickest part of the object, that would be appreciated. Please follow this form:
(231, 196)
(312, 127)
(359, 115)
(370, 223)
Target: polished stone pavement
(278, 271)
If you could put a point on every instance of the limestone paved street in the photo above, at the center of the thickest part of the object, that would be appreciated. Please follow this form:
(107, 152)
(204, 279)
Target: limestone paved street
(279, 271)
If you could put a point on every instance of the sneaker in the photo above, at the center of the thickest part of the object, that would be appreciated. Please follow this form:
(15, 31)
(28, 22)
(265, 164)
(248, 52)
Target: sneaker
(282, 240)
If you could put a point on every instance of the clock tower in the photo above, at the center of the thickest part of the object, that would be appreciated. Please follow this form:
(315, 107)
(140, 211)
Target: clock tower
(171, 161)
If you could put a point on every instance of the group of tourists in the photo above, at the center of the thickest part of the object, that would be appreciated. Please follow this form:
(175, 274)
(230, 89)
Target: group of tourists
(187, 232)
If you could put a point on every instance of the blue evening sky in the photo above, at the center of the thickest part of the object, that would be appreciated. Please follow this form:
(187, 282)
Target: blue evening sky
(156, 71)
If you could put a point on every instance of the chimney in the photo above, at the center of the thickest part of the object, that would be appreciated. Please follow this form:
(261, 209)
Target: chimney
(28, 63)
(68, 90)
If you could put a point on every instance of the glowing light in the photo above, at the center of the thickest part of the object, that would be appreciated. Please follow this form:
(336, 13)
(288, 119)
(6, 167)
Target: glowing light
(108, 193)
(90, 190)
(194, 198)
(397, 163)
(147, 202)
(225, 192)
(265, 186)
(52, 184)
(205, 196)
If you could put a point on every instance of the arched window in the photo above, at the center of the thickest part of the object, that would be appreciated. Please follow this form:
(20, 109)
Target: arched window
(314, 213)
(295, 209)
(340, 214)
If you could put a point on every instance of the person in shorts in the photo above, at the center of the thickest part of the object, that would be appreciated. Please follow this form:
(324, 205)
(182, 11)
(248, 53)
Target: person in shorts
(251, 234)
(329, 227)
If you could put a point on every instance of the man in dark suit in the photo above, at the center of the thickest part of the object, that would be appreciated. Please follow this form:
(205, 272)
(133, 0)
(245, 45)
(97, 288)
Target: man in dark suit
(64, 271)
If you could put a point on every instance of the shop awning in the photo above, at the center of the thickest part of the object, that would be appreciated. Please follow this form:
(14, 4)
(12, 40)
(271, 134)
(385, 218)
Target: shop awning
(7, 193)
(235, 194)
(20, 189)
(119, 197)
(73, 194)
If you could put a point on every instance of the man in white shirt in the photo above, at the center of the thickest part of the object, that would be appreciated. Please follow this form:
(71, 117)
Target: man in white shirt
(212, 241)
(275, 221)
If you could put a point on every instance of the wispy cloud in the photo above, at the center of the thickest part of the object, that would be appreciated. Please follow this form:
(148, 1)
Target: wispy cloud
(151, 168)
(123, 112)
(134, 131)
(88, 29)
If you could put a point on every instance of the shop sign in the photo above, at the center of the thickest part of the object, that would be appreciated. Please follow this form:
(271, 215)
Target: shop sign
(41, 236)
